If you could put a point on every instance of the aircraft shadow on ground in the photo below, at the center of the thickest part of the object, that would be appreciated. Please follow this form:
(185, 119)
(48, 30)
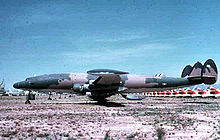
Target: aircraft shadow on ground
(107, 104)
(196, 103)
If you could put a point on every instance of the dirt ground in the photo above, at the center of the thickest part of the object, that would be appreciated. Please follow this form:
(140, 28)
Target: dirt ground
(79, 118)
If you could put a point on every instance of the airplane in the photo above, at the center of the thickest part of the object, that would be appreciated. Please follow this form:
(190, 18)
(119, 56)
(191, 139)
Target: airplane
(206, 94)
(15, 92)
(182, 93)
(163, 93)
(217, 95)
(98, 84)
(168, 93)
(210, 92)
(201, 92)
(194, 92)
(2, 88)
(175, 93)
(214, 92)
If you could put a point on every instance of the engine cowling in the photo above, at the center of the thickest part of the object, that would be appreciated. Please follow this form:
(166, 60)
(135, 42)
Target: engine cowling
(81, 88)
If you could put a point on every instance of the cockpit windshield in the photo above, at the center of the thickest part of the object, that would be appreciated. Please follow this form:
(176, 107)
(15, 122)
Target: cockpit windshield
(27, 79)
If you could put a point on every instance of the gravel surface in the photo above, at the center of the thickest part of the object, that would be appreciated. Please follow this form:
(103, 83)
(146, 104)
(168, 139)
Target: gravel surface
(79, 118)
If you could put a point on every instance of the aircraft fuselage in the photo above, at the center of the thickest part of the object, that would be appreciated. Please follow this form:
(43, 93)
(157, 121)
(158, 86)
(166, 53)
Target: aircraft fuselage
(128, 83)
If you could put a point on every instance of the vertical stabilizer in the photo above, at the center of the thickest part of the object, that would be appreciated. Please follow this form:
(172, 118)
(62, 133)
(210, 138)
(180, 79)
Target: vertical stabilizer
(186, 71)
(209, 72)
(196, 71)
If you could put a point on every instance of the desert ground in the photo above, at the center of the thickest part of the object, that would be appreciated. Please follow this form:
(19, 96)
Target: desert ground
(79, 118)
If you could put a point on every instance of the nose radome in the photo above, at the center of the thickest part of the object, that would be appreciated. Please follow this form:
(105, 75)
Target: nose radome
(22, 84)
(16, 85)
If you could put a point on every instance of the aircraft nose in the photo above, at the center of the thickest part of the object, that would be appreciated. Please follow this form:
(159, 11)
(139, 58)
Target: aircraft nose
(16, 85)
(22, 84)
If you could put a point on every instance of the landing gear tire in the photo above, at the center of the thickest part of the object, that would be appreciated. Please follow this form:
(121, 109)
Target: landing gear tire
(27, 102)
(28, 98)
(49, 98)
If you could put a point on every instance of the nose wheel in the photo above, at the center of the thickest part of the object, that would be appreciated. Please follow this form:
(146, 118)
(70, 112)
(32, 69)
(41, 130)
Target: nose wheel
(49, 98)
(28, 97)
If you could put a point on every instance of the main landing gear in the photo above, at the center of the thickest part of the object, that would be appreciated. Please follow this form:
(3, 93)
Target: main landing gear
(29, 97)
(49, 98)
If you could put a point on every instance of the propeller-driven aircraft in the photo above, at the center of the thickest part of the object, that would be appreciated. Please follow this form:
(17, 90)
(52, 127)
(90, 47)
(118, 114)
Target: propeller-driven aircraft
(2, 87)
(99, 84)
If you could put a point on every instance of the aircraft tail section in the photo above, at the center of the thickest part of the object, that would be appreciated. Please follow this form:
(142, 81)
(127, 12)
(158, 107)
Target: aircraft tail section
(196, 71)
(186, 71)
(199, 73)
(209, 72)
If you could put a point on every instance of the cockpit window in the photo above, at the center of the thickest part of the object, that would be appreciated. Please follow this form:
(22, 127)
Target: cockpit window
(27, 79)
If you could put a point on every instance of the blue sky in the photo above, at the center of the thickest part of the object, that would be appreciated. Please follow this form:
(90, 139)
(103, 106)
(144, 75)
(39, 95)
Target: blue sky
(142, 37)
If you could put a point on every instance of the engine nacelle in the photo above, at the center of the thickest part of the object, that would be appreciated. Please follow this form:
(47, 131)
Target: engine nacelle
(81, 88)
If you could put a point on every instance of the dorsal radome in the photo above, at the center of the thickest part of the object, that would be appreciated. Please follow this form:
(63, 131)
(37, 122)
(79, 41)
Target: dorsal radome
(106, 71)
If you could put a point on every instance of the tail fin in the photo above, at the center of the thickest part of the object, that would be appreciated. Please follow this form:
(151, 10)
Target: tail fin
(186, 71)
(209, 72)
(199, 73)
(196, 71)
(194, 74)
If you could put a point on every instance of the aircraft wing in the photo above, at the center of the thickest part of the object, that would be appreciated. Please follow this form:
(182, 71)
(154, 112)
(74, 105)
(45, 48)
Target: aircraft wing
(107, 79)
(106, 76)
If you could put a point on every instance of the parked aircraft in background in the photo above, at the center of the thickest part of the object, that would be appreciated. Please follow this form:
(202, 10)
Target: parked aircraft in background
(201, 92)
(182, 92)
(99, 84)
(15, 92)
(2, 87)
(214, 92)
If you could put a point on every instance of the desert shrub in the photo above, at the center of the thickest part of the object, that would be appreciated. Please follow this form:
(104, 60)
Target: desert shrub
(71, 138)
(131, 136)
(107, 135)
(6, 135)
(10, 133)
(43, 135)
(66, 135)
(160, 132)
